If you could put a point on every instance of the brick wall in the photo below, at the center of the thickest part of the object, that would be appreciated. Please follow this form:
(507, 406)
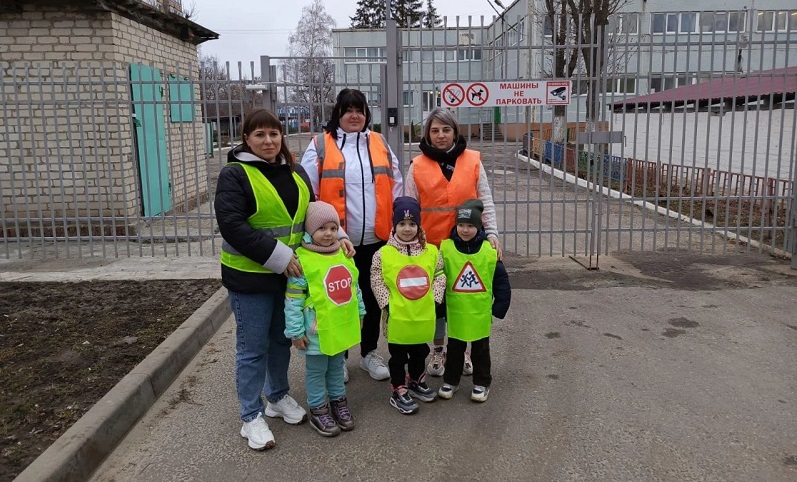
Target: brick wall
(67, 147)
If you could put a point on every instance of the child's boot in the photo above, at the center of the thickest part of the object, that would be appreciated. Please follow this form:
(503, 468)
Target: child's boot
(402, 401)
(420, 390)
(323, 422)
(341, 413)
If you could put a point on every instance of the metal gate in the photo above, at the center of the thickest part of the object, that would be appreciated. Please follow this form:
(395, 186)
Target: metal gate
(676, 140)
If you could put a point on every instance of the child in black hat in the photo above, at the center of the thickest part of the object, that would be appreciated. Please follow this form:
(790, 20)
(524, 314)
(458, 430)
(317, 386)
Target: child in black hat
(477, 289)
(407, 279)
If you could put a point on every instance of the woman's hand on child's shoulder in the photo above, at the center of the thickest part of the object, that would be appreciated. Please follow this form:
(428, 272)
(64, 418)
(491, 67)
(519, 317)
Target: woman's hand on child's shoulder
(348, 247)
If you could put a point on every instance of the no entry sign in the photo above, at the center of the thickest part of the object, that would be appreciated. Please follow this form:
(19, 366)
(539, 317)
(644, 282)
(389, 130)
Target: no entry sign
(338, 282)
(517, 93)
(412, 282)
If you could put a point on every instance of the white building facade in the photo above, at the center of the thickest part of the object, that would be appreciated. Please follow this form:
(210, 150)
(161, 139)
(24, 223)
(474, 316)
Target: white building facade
(651, 45)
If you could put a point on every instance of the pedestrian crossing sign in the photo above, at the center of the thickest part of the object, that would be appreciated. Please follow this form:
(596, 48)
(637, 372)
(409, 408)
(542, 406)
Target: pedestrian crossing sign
(468, 281)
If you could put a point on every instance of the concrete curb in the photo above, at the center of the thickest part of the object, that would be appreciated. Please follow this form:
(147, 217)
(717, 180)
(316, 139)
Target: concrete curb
(82, 448)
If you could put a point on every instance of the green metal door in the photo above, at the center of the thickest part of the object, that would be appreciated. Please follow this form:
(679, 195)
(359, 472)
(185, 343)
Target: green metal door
(153, 165)
(497, 115)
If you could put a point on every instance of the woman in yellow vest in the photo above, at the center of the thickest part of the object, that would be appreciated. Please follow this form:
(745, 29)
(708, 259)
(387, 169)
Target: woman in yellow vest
(477, 289)
(352, 168)
(261, 200)
(407, 279)
(441, 178)
(323, 312)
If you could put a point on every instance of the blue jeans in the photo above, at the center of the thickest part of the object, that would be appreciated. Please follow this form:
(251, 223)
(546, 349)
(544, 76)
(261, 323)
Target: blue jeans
(324, 376)
(262, 352)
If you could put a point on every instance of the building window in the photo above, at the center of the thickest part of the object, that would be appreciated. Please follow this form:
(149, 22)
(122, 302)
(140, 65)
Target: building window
(625, 23)
(622, 85)
(777, 21)
(688, 23)
(721, 22)
(664, 23)
(430, 100)
(671, 81)
(521, 30)
(352, 55)
(469, 54)
(407, 98)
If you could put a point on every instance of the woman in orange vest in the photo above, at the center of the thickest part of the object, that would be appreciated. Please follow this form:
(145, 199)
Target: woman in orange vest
(353, 169)
(441, 178)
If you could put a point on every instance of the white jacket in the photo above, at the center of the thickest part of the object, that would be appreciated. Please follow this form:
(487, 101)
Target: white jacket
(360, 186)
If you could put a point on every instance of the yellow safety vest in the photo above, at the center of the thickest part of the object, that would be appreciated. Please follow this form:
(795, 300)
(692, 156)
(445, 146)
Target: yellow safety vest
(332, 289)
(469, 290)
(409, 280)
(271, 217)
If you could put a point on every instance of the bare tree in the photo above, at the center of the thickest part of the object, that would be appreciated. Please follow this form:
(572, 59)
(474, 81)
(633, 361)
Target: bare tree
(310, 71)
(223, 98)
(579, 32)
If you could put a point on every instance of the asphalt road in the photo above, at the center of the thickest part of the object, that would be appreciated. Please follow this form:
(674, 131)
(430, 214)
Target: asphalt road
(655, 367)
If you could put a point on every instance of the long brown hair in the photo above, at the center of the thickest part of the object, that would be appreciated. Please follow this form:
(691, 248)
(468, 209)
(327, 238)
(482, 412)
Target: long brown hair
(261, 118)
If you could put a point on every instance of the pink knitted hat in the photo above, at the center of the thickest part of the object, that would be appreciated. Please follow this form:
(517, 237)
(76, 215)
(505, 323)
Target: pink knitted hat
(318, 214)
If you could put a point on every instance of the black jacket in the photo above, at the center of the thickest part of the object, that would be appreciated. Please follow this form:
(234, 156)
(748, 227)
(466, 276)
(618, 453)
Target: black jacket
(502, 291)
(235, 202)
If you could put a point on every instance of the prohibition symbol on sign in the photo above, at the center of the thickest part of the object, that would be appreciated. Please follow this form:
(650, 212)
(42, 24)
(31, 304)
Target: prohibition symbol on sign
(478, 94)
(412, 282)
(453, 95)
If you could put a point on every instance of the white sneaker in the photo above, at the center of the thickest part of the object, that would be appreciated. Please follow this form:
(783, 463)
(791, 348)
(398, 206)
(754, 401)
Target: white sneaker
(447, 391)
(479, 393)
(258, 434)
(288, 409)
(437, 362)
(467, 367)
(373, 364)
(345, 373)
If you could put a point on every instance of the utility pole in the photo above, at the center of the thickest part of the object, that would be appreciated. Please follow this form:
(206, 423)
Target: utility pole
(392, 81)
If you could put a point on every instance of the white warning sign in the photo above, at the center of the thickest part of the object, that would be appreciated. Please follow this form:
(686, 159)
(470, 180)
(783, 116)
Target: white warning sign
(468, 281)
(506, 94)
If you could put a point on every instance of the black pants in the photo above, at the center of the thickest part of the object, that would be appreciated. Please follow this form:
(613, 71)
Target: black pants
(479, 355)
(363, 259)
(414, 356)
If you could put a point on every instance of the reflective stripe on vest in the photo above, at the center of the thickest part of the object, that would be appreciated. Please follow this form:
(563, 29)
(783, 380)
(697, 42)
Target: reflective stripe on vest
(337, 324)
(411, 321)
(270, 217)
(469, 290)
(332, 176)
(439, 197)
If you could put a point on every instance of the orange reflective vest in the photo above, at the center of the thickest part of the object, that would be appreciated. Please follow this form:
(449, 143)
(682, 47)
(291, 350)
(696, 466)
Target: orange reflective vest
(439, 197)
(332, 177)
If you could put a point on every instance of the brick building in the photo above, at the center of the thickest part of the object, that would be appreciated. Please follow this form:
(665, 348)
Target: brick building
(99, 111)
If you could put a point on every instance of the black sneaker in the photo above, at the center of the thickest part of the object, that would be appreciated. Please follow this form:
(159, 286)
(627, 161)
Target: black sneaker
(341, 413)
(420, 390)
(403, 402)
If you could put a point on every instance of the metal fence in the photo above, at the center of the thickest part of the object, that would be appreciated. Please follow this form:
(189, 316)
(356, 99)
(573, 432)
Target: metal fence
(121, 160)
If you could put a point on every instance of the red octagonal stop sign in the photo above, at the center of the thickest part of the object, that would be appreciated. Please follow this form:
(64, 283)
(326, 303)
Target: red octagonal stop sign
(338, 284)
(412, 282)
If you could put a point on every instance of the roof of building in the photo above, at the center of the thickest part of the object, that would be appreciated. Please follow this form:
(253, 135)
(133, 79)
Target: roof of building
(740, 88)
(165, 21)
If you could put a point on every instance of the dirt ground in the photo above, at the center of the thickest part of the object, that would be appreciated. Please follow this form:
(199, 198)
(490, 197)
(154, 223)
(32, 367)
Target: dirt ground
(64, 345)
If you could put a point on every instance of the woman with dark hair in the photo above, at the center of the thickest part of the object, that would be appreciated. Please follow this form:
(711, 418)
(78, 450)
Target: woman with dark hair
(261, 201)
(353, 169)
(441, 178)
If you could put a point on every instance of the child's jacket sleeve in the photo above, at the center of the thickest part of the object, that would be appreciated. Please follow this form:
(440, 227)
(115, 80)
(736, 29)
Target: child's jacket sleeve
(295, 295)
(381, 293)
(502, 291)
(439, 283)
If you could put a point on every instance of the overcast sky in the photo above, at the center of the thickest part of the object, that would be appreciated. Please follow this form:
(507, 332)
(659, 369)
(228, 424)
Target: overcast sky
(250, 28)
